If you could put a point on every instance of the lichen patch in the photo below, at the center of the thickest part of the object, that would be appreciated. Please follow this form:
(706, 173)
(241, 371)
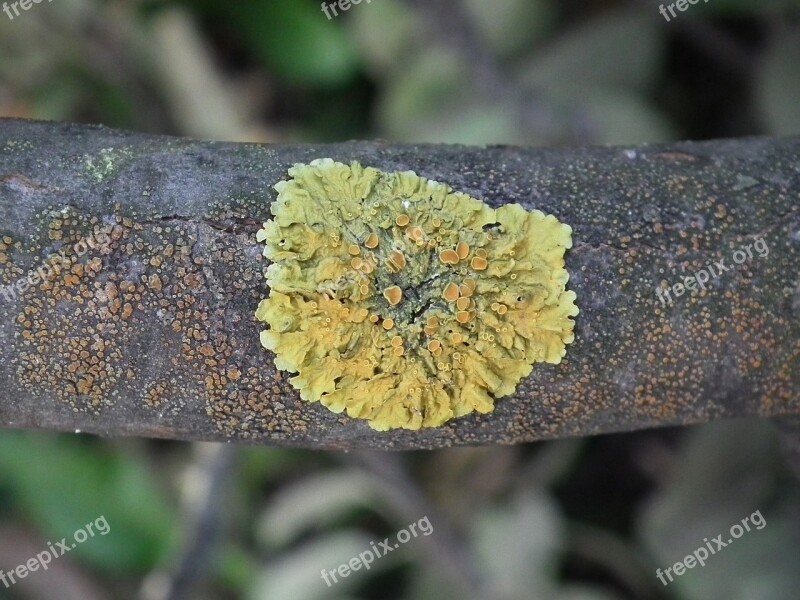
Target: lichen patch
(405, 303)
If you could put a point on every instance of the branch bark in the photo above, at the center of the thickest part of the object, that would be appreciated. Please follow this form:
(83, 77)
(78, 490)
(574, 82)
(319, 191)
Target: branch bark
(144, 324)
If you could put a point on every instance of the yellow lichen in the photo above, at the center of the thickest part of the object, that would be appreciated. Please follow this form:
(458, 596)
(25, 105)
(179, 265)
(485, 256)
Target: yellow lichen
(446, 307)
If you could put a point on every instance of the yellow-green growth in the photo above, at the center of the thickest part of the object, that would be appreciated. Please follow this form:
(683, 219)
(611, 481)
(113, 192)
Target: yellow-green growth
(405, 303)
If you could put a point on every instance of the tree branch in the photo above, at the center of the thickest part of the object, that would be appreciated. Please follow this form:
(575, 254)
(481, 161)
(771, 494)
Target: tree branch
(144, 324)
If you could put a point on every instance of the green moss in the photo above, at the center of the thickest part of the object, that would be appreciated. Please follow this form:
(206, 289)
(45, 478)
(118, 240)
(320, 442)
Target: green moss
(405, 303)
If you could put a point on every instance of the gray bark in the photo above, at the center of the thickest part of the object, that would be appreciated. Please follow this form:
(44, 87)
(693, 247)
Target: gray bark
(147, 328)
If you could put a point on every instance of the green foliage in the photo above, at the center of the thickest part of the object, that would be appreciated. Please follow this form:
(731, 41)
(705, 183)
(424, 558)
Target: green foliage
(62, 483)
(293, 39)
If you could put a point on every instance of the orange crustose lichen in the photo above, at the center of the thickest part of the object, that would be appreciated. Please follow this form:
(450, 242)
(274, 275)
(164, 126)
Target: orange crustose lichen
(404, 303)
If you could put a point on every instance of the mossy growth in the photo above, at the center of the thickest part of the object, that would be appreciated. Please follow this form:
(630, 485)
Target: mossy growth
(405, 303)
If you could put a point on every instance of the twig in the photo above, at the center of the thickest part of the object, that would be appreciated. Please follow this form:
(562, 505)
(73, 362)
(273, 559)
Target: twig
(207, 480)
(153, 332)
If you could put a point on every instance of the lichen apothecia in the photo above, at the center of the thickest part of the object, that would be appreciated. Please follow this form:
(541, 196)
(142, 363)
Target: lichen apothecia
(405, 303)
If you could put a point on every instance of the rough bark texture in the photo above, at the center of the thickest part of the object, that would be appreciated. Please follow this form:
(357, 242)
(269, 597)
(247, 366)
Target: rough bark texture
(146, 326)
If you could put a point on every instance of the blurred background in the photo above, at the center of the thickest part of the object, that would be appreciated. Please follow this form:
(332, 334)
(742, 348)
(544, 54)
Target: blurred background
(588, 519)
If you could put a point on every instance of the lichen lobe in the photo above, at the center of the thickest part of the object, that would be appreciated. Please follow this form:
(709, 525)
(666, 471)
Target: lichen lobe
(405, 303)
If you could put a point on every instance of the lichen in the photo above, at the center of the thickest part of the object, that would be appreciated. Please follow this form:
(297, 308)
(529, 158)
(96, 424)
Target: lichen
(103, 166)
(403, 302)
